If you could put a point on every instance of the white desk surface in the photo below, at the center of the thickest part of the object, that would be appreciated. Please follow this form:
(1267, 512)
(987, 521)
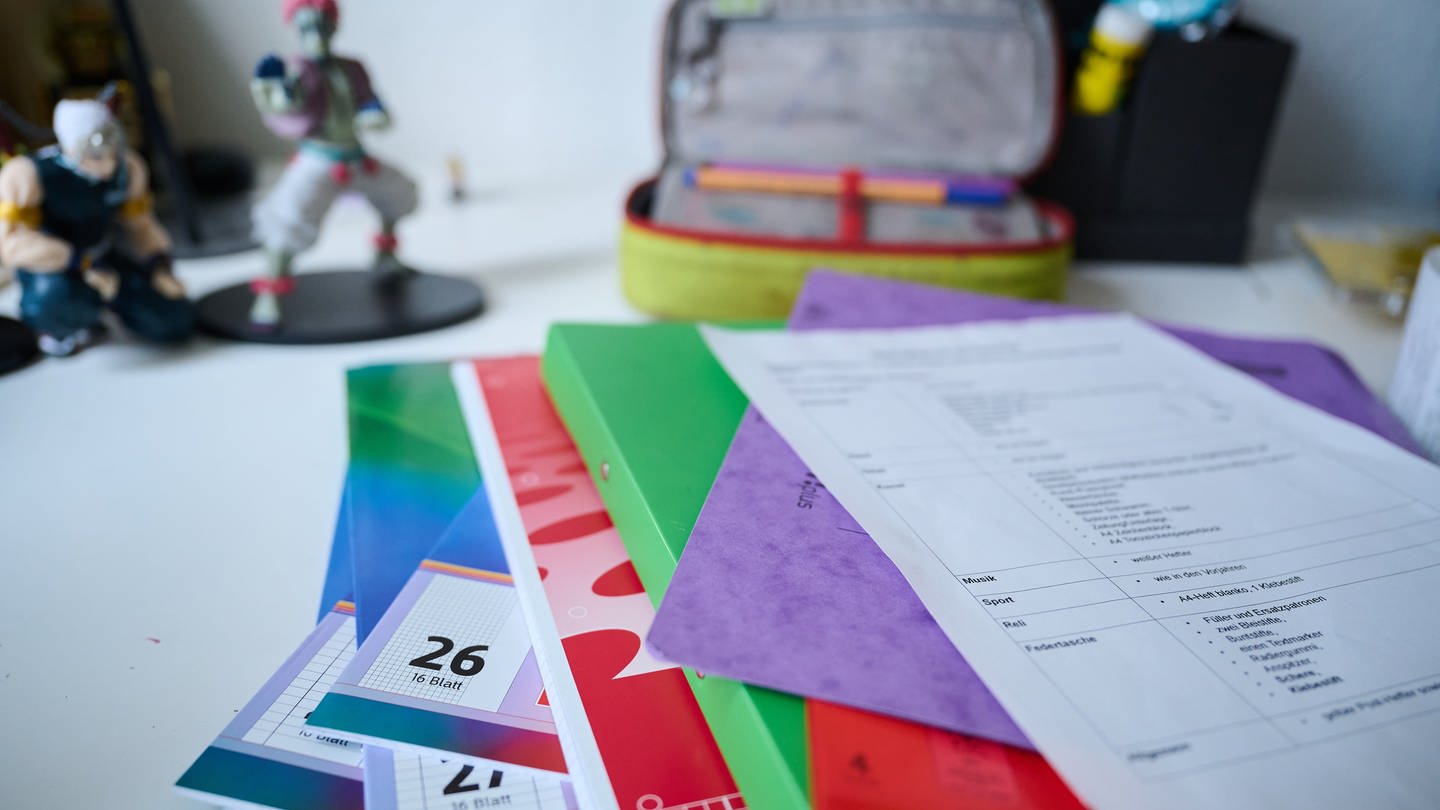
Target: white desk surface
(165, 519)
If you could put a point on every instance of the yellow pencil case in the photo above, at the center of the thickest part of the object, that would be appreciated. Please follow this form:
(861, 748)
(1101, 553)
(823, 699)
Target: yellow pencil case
(947, 88)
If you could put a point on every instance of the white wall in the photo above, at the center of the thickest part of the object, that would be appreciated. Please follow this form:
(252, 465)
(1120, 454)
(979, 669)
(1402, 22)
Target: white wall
(526, 90)
(536, 91)
(1363, 110)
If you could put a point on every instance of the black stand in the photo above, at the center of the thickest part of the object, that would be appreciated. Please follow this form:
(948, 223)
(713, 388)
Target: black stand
(345, 306)
(1171, 176)
(17, 346)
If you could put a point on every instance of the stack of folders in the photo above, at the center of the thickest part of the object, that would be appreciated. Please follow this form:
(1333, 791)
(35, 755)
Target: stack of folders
(963, 552)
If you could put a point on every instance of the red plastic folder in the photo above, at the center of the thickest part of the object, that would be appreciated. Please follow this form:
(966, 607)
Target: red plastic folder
(864, 761)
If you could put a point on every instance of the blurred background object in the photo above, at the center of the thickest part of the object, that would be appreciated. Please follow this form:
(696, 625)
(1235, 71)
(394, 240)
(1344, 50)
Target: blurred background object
(1367, 261)
(1192, 20)
(1117, 42)
(17, 345)
(1415, 387)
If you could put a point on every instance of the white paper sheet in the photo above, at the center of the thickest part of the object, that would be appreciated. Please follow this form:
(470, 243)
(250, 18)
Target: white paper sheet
(1188, 590)
(1415, 388)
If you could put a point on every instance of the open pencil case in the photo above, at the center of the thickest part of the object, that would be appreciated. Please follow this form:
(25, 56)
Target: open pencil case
(854, 90)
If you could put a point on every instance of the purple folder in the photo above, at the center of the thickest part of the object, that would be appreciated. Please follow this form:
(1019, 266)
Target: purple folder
(802, 600)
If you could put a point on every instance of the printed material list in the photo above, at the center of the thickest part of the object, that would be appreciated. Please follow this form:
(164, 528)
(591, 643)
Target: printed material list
(1167, 561)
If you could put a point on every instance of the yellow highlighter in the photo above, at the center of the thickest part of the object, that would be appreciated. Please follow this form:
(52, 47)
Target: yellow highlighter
(1117, 42)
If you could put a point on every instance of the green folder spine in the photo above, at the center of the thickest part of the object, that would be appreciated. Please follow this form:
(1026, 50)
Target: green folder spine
(653, 414)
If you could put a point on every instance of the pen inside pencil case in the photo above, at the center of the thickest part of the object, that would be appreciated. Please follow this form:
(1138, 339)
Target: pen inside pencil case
(921, 188)
(814, 214)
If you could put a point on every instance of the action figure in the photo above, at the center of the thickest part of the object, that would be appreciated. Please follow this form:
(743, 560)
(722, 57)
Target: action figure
(76, 225)
(322, 100)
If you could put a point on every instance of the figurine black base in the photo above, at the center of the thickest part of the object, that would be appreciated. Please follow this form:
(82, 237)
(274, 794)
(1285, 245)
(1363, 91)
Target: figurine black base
(345, 306)
(17, 345)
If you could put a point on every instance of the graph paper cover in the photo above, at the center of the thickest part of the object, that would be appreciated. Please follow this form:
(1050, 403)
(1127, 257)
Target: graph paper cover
(590, 611)
(406, 781)
(449, 669)
(266, 757)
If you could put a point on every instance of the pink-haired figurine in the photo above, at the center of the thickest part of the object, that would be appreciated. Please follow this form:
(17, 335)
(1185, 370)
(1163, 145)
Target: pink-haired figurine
(323, 101)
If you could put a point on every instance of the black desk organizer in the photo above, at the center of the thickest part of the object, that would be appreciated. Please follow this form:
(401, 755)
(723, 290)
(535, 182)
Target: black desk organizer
(1172, 175)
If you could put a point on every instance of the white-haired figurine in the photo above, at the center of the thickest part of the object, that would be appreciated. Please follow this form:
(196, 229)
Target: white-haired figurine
(323, 101)
(76, 225)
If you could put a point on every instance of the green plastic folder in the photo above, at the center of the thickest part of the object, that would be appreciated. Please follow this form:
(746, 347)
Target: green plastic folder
(653, 414)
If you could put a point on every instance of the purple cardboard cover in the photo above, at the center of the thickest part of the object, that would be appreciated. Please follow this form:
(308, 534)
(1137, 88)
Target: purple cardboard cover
(780, 587)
